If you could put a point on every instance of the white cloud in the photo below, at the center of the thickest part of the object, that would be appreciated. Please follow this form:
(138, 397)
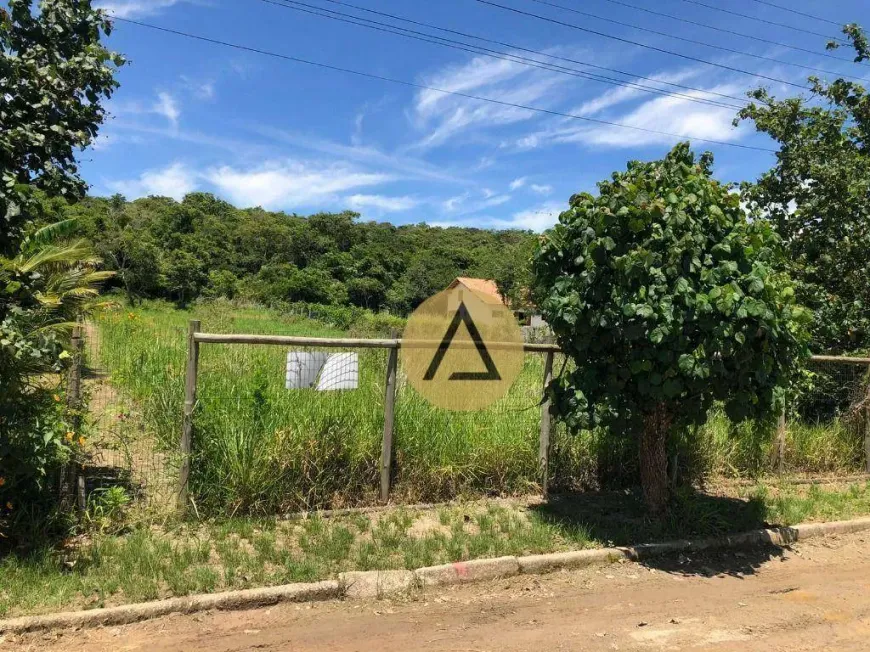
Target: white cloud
(453, 204)
(518, 183)
(541, 189)
(533, 219)
(203, 90)
(460, 204)
(135, 8)
(382, 202)
(623, 94)
(175, 180)
(167, 107)
(678, 116)
(287, 184)
(444, 116)
(407, 167)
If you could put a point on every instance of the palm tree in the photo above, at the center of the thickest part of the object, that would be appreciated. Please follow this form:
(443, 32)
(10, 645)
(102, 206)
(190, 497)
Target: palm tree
(50, 283)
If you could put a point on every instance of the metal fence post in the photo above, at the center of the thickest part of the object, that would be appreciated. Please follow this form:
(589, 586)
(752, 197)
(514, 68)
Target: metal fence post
(389, 415)
(546, 428)
(189, 405)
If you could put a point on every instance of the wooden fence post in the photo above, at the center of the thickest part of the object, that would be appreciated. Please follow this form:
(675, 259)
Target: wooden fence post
(546, 428)
(190, 375)
(780, 441)
(70, 480)
(389, 416)
(867, 424)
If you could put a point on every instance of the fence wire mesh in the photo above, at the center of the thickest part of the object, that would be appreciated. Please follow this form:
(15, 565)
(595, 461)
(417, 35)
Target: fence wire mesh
(285, 428)
(827, 417)
(122, 444)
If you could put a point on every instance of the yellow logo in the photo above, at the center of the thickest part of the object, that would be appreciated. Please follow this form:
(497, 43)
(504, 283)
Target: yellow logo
(461, 349)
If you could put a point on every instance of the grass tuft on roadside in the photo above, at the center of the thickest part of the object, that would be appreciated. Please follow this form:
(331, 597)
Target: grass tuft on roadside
(182, 558)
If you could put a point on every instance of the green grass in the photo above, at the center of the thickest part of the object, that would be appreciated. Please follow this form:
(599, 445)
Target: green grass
(183, 558)
(261, 449)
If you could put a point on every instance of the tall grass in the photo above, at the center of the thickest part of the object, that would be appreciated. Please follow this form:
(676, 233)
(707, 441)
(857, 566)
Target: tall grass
(261, 448)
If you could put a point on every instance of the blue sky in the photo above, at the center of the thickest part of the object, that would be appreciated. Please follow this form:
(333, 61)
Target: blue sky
(261, 131)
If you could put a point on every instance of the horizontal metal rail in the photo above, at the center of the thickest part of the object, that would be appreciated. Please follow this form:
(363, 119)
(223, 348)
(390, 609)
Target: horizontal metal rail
(366, 343)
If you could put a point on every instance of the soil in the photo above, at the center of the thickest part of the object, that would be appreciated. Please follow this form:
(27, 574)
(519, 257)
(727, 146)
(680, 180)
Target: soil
(812, 596)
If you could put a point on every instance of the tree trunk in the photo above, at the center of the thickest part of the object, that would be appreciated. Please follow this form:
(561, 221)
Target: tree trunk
(653, 458)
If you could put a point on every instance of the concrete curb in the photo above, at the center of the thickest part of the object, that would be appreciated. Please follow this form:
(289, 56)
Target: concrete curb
(125, 614)
(377, 584)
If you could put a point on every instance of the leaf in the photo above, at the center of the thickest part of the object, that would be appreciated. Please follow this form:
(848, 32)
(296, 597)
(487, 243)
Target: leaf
(686, 363)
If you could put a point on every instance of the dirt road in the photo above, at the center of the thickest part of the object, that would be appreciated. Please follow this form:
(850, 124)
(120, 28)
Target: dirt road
(811, 597)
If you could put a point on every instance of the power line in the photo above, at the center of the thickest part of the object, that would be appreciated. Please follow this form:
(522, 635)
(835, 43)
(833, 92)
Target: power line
(762, 20)
(402, 82)
(643, 45)
(688, 40)
(495, 54)
(522, 49)
(795, 11)
(725, 30)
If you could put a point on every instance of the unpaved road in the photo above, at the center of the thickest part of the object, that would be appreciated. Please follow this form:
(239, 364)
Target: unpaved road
(813, 596)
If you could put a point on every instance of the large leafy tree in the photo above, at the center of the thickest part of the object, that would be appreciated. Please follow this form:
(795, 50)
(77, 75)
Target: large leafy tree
(54, 73)
(667, 299)
(817, 196)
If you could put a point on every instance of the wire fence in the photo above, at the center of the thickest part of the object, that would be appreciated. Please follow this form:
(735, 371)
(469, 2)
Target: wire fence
(271, 424)
(120, 446)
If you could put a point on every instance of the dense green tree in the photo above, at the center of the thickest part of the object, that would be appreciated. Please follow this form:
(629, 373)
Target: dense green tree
(667, 299)
(54, 77)
(818, 198)
(153, 243)
(183, 275)
(55, 74)
(366, 292)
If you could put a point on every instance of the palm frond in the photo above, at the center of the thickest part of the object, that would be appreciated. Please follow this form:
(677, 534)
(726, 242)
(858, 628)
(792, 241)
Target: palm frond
(73, 254)
(48, 234)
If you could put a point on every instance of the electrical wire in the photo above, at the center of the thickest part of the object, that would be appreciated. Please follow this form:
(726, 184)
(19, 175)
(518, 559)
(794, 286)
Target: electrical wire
(689, 40)
(495, 54)
(637, 43)
(725, 30)
(795, 11)
(522, 49)
(762, 20)
(402, 82)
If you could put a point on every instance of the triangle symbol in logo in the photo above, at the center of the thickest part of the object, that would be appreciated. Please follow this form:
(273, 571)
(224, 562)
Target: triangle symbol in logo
(462, 316)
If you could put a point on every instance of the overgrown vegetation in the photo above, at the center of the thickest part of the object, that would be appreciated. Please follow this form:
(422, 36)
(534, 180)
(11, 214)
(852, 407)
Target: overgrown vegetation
(259, 447)
(55, 75)
(184, 558)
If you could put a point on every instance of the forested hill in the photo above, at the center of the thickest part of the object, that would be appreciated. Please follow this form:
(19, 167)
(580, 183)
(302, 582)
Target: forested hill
(205, 247)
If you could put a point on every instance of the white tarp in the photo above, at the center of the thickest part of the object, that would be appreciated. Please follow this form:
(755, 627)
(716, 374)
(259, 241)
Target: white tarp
(303, 367)
(326, 371)
(341, 371)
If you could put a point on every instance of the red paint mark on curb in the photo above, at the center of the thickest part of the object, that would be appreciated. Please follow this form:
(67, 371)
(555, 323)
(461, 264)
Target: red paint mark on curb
(461, 569)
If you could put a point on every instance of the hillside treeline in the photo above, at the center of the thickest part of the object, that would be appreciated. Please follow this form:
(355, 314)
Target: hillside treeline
(205, 247)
